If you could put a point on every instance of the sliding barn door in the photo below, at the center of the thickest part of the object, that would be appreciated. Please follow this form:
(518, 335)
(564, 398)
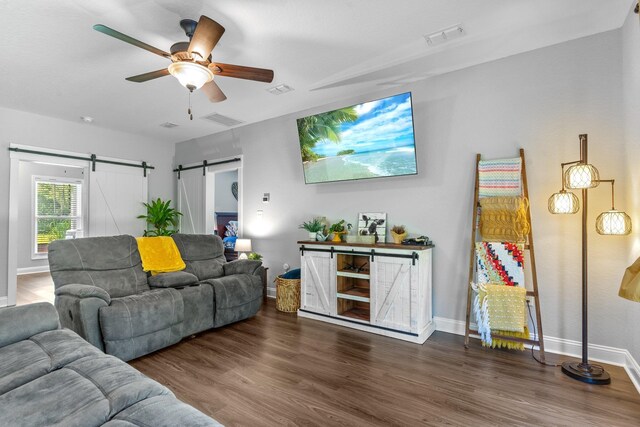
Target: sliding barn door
(192, 201)
(116, 194)
(318, 276)
(394, 287)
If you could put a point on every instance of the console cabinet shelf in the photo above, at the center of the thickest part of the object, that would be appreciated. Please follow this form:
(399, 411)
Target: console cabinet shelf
(383, 289)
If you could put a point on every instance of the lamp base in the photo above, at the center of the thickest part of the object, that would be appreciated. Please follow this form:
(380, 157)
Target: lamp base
(592, 374)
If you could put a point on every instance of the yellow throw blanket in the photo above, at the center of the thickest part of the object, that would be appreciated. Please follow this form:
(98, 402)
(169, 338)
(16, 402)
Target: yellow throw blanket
(504, 219)
(500, 310)
(159, 255)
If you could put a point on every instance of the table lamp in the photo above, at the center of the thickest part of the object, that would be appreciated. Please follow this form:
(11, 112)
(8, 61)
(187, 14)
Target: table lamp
(242, 247)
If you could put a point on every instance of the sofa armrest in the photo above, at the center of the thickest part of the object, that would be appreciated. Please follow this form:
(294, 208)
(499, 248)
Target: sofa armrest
(242, 266)
(176, 279)
(20, 323)
(84, 291)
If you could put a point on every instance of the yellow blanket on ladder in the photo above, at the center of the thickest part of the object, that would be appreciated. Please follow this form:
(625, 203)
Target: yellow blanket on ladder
(500, 310)
(159, 254)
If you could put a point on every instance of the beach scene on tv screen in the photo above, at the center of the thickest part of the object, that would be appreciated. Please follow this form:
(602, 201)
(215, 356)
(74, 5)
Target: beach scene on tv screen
(369, 140)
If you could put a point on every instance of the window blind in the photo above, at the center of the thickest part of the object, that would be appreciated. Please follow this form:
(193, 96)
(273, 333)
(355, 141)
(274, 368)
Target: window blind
(58, 209)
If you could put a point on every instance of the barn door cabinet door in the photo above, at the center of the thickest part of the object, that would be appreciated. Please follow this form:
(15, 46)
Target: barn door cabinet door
(394, 294)
(318, 283)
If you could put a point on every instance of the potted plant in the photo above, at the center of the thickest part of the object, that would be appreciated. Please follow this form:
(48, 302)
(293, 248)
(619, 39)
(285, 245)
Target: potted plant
(313, 227)
(255, 256)
(338, 229)
(162, 217)
(398, 233)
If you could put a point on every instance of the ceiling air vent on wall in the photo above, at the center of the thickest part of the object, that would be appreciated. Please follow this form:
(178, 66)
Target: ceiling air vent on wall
(168, 125)
(222, 120)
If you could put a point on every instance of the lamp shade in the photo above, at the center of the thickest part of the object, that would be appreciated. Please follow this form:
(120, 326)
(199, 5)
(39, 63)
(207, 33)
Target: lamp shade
(581, 176)
(243, 245)
(563, 202)
(190, 74)
(614, 223)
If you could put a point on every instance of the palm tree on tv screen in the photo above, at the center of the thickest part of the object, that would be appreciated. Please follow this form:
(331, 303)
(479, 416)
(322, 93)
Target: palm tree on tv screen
(322, 127)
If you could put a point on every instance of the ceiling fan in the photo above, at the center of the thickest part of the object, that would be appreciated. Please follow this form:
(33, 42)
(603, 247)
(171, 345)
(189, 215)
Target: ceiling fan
(191, 61)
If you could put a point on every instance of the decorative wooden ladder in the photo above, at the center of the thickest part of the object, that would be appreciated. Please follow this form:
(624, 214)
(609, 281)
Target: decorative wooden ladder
(538, 339)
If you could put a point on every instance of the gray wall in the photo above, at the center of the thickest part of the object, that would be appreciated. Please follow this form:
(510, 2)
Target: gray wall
(25, 214)
(224, 200)
(540, 101)
(631, 111)
(32, 129)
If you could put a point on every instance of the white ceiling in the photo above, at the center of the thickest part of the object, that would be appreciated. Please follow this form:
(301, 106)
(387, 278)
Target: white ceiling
(55, 64)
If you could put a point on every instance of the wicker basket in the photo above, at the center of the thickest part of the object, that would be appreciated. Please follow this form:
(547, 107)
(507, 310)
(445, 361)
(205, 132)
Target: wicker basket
(287, 294)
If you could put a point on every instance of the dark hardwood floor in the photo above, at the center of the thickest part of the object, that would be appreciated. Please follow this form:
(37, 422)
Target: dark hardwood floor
(276, 369)
(36, 287)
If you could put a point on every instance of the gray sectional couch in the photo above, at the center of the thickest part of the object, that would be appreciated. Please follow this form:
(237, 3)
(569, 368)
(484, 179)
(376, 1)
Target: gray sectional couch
(103, 294)
(51, 376)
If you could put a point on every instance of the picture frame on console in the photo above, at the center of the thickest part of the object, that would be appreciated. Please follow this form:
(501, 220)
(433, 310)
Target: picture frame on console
(373, 223)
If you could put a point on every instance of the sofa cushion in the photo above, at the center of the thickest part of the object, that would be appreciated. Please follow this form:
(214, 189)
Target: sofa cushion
(161, 411)
(111, 263)
(140, 324)
(122, 384)
(29, 359)
(19, 323)
(237, 297)
(202, 253)
(87, 392)
(198, 308)
(172, 280)
(60, 398)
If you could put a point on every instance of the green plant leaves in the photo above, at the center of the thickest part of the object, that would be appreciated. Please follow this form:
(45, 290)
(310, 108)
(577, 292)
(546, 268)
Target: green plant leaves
(161, 216)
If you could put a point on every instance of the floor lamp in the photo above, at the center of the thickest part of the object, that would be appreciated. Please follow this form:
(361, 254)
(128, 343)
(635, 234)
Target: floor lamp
(582, 176)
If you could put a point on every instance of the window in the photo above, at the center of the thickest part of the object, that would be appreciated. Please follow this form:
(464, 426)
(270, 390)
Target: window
(57, 211)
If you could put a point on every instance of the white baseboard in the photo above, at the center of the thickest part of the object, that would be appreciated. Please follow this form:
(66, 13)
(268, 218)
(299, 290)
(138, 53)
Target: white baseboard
(32, 270)
(597, 353)
(633, 370)
(4, 301)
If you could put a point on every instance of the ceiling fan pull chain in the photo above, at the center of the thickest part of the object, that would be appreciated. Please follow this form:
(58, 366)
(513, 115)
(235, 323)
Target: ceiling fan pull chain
(189, 110)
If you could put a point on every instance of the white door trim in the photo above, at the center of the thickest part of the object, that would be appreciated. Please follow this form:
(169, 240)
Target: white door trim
(210, 190)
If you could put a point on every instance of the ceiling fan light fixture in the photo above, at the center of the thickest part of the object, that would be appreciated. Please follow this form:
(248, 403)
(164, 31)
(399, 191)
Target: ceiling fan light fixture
(190, 74)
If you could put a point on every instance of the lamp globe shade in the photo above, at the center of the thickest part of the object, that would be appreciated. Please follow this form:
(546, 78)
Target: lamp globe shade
(563, 202)
(613, 223)
(581, 176)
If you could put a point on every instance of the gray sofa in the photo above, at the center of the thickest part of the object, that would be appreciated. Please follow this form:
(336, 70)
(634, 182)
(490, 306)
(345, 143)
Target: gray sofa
(51, 376)
(103, 294)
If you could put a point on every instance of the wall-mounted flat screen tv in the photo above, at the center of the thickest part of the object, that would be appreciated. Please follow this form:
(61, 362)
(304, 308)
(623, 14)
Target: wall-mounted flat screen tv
(369, 140)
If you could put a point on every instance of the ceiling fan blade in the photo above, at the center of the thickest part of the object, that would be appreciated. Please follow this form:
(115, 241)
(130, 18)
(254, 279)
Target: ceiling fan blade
(241, 72)
(125, 38)
(213, 92)
(141, 78)
(206, 36)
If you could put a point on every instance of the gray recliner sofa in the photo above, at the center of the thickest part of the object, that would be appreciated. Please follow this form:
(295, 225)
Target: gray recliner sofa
(103, 294)
(50, 376)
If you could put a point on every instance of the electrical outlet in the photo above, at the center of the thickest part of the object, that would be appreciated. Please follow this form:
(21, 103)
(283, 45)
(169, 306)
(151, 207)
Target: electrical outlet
(260, 213)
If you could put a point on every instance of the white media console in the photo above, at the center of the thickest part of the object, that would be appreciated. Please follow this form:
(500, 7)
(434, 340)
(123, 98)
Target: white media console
(384, 289)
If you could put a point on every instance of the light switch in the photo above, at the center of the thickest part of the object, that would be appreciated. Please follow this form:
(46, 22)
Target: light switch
(266, 197)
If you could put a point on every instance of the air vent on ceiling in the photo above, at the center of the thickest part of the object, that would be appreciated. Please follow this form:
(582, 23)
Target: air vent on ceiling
(445, 35)
(280, 89)
(168, 125)
(222, 120)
